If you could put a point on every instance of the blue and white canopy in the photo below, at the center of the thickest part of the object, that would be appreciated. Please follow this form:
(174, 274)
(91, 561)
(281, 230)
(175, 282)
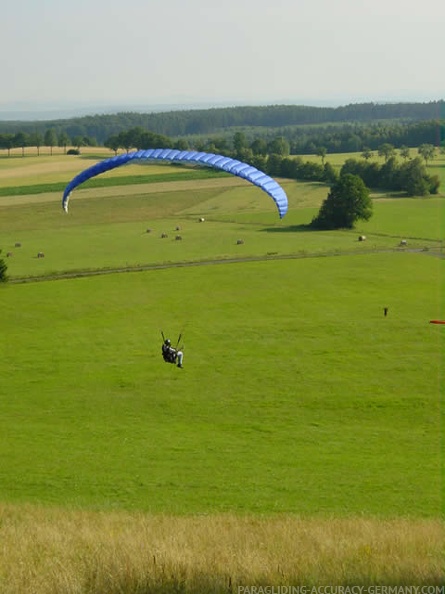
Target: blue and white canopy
(233, 166)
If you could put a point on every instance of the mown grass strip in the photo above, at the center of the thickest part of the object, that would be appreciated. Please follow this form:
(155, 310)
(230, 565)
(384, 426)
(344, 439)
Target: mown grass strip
(103, 182)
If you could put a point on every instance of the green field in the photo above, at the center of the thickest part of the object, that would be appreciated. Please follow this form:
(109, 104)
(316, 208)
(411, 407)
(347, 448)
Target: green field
(298, 397)
(290, 367)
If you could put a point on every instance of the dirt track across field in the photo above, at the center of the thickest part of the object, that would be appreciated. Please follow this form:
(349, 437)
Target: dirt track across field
(264, 258)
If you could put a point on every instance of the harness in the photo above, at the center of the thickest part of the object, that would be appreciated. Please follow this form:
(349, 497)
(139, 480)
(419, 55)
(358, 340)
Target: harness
(169, 354)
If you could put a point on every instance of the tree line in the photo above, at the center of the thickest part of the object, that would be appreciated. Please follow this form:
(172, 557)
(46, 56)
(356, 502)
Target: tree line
(273, 157)
(341, 129)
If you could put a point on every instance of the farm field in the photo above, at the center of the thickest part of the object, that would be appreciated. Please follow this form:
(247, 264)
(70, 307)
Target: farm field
(303, 417)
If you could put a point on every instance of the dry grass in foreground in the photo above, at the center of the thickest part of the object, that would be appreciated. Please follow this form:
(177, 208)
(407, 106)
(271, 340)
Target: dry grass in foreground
(48, 551)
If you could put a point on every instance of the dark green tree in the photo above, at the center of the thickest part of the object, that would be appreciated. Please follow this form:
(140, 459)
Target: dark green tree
(21, 140)
(113, 143)
(274, 165)
(78, 141)
(414, 179)
(279, 146)
(181, 144)
(347, 202)
(50, 139)
(7, 142)
(36, 139)
(404, 152)
(330, 176)
(260, 162)
(3, 269)
(321, 152)
(259, 146)
(239, 143)
(386, 150)
(389, 173)
(63, 140)
(427, 151)
(367, 153)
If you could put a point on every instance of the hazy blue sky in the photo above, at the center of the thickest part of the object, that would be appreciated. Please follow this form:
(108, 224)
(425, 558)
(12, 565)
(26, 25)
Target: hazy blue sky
(241, 51)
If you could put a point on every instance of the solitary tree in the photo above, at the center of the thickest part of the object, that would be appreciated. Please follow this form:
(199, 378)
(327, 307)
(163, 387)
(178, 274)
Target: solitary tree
(347, 201)
(321, 152)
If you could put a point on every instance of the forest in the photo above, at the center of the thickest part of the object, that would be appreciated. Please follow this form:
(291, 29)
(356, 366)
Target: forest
(306, 129)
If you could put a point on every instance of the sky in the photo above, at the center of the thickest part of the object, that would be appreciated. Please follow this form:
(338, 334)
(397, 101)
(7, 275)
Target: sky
(240, 52)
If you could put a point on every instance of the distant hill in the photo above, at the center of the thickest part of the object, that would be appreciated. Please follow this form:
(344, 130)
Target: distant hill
(305, 128)
(180, 123)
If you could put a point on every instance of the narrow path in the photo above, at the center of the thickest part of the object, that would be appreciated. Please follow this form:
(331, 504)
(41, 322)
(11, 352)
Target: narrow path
(264, 258)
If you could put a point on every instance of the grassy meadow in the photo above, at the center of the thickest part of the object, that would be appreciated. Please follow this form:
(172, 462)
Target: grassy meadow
(300, 444)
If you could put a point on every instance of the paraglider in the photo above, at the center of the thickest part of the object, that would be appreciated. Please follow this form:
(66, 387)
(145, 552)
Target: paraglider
(233, 166)
(172, 354)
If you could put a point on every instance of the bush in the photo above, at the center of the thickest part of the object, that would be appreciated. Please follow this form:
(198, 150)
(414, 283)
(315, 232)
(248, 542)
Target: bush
(73, 152)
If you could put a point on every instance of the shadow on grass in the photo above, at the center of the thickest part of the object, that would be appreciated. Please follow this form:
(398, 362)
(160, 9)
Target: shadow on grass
(290, 229)
(95, 157)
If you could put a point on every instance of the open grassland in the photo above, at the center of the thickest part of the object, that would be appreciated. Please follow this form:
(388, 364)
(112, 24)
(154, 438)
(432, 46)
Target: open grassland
(119, 239)
(298, 395)
(54, 551)
(32, 169)
(300, 444)
(122, 227)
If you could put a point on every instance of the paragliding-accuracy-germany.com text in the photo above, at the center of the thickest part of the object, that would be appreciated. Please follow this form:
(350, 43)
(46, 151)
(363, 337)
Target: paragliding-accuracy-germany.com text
(341, 590)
